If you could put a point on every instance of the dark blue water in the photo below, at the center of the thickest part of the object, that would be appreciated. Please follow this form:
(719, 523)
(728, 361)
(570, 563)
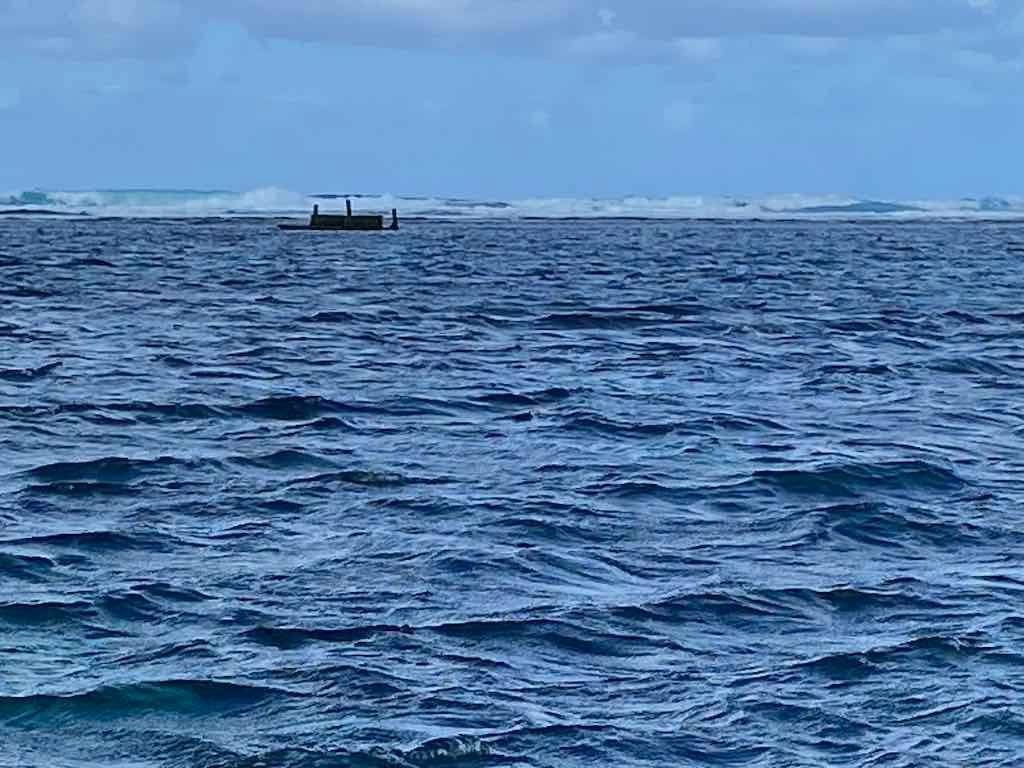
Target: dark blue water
(548, 494)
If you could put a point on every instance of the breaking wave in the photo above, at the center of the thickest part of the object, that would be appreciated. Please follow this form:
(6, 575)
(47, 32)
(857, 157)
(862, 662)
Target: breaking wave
(275, 202)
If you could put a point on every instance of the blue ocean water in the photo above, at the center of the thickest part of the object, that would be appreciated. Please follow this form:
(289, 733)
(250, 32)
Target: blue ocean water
(591, 493)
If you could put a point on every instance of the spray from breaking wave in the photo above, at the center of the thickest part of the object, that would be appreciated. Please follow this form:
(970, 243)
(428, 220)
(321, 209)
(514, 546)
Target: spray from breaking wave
(161, 203)
(275, 202)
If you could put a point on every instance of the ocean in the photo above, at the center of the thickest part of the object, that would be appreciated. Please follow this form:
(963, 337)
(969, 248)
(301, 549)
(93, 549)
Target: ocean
(493, 491)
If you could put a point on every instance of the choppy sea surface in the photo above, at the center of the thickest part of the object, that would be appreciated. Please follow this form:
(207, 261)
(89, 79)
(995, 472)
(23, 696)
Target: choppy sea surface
(482, 493)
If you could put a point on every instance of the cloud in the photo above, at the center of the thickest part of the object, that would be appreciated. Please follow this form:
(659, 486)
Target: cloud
(531, 21)
(399, 23)
(603, 28)
(97, 29)
(607, 43)
(699, 49)
(808, 45)
(820, 18)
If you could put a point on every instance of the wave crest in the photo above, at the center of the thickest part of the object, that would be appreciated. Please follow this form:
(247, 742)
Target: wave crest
(274, 201)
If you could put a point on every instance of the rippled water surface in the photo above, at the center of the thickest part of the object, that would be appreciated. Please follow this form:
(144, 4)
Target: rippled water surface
(549, 494)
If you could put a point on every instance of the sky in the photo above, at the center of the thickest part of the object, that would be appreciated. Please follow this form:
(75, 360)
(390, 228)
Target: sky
(516, 98)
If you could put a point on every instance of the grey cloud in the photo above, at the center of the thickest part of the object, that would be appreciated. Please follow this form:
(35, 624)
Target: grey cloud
(533, 21)
(97, 29)
(605, 28)
(819, 18)
(398, 23)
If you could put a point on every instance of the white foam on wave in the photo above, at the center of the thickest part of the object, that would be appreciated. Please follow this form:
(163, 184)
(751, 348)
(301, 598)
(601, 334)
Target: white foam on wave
(182, 203)
(277, 202)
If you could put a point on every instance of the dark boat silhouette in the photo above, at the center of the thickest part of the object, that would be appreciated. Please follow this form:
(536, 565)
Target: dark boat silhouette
(335, 222)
